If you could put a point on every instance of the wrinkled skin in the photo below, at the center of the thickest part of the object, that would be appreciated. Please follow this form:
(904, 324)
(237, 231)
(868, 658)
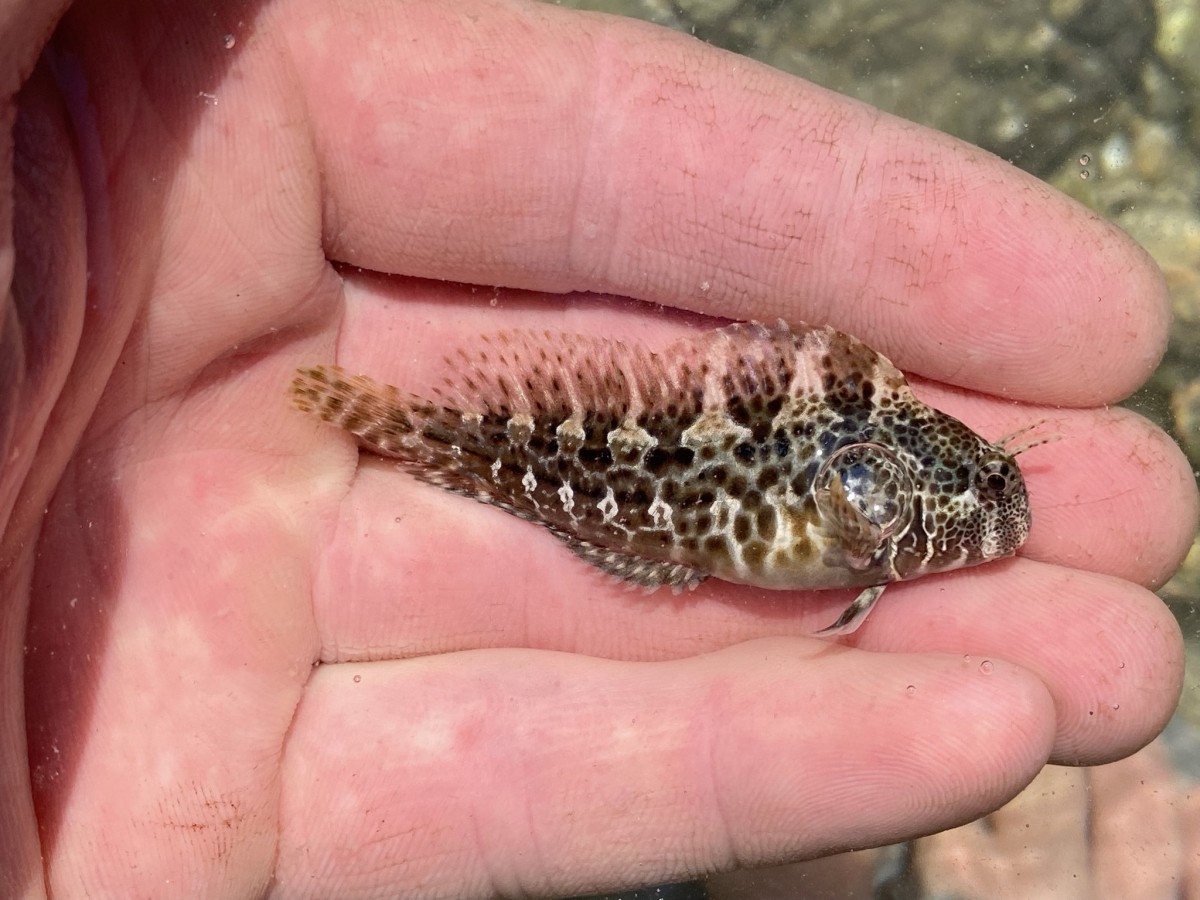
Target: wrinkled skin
(240, 662)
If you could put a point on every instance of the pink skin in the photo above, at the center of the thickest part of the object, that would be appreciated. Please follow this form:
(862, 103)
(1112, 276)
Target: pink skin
(501, 718)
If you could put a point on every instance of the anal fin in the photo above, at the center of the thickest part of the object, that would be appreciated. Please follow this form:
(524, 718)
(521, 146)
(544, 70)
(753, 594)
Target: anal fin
(636, 570)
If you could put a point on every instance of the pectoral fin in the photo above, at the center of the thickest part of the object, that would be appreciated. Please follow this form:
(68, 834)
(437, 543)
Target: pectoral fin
(855, 613)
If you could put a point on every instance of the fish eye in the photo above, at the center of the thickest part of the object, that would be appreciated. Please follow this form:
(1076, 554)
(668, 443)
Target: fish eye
(997, 478)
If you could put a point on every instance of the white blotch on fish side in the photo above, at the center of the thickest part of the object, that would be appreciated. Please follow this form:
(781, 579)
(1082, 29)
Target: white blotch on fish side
(711, 427)
(571, 431)
(520, 428)
(566, 496)
(496, 470)
(608, 506)
(631, 435)
(661, 513)
(529, 482)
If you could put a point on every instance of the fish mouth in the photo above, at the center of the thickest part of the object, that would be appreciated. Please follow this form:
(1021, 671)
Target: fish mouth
(1006, 534)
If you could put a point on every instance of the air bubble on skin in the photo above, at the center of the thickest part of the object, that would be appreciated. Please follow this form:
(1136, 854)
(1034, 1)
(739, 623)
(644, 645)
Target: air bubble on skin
(911, 690)
(873, 480)
(228, 41)
(986, 667)
(357, 679)
(1085, 175)
(1085, 160)
(967, 658)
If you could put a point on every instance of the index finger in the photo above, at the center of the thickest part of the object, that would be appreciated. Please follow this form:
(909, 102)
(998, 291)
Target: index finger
(572, 152)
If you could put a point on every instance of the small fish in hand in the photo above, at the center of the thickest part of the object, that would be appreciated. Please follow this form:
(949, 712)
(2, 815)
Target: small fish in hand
(769, 456)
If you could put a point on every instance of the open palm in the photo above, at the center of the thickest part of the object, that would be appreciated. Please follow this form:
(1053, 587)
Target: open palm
(240, 660)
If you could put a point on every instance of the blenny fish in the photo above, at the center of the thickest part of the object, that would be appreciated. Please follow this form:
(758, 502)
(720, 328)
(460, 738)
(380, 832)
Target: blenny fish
(769, 456)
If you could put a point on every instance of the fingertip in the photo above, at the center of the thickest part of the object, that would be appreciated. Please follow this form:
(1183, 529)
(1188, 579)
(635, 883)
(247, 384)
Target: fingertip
(925, 742)
(1116, 496)
(1109, 652)
(1134, 687)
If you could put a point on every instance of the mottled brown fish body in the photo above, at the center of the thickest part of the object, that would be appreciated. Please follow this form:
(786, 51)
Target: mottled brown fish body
(764, 456)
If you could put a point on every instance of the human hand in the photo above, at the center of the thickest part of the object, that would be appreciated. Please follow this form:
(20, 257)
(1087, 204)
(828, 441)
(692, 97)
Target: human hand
(255, 663)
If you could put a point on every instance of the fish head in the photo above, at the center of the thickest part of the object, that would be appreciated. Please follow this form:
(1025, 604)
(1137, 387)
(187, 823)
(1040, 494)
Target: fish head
(931, 497)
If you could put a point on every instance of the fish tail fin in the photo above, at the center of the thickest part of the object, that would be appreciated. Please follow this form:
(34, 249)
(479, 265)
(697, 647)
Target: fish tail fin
(375, 413)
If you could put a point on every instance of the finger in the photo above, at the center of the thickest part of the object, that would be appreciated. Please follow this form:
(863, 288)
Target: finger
(43, 369)
(655, 167)
(544, 774)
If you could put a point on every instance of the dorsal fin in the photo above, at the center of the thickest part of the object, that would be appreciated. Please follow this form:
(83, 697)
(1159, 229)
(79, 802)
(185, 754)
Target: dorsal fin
(544, 371)
(847, 358)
